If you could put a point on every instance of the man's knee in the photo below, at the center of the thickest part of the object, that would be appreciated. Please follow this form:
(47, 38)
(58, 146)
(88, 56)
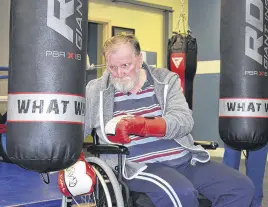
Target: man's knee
(179, 196)
(245, 187)
(188, 196)
(242, 189)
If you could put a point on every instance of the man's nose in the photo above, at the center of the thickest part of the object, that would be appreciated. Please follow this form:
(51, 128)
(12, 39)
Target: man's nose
(120, 72)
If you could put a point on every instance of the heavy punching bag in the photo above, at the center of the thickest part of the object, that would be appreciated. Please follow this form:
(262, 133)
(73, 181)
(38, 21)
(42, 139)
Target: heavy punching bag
(46, 93)
(243, 104)
(182, 59)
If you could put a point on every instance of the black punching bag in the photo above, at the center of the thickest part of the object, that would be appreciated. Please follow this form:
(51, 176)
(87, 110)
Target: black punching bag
(243, 105)
(46, 93)
(182, 59)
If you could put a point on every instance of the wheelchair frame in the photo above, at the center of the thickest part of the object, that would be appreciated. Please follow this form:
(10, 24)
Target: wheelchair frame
(97, 149)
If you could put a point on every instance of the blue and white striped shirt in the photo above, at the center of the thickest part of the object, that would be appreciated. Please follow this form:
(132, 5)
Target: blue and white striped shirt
(147, 149)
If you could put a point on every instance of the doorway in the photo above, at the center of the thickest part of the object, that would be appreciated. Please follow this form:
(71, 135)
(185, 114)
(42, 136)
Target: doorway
(94, 47)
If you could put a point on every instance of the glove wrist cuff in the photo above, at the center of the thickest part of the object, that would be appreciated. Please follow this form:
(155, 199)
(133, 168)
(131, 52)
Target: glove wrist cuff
(155, 127)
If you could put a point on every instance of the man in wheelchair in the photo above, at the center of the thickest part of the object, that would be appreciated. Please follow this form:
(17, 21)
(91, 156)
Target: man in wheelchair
(144, 109)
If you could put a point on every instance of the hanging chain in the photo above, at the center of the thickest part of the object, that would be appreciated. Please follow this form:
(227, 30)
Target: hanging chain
(182, 17)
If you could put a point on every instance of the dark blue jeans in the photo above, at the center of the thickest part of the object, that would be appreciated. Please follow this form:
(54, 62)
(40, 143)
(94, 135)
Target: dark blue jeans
(179, 186)
(255, 168)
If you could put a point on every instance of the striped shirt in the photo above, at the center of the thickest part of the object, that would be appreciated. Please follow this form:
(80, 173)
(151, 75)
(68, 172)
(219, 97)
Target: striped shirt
(147, 149)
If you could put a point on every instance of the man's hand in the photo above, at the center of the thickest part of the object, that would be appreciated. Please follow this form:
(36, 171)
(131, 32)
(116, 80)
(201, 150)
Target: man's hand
(119, 128)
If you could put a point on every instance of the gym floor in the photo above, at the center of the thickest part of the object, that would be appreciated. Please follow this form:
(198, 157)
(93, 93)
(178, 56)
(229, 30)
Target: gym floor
(20, 187)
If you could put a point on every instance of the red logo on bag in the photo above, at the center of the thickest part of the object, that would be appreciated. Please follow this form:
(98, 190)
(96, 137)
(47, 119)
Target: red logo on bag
(177, 62)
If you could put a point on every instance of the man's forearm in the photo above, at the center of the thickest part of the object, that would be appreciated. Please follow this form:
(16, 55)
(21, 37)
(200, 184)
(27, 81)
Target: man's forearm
(178, 125)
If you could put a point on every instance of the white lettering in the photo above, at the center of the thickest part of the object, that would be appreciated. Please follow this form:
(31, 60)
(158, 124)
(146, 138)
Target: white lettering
(55, 54)
(256, 22)
(59, 24)
(46, 107)
(251, 35)
(236, 107)
(253, 53)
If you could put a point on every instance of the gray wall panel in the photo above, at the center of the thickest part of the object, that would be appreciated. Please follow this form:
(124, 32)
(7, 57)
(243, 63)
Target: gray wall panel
(205, 108)
(204, 21)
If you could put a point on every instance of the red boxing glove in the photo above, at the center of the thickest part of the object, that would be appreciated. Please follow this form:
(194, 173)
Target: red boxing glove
(3, 128)
(119, 128)
(79, 179)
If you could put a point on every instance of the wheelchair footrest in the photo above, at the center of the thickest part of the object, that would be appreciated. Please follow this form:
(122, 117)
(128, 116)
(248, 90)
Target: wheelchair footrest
(106, 149)
(207, 144)
(204, 202)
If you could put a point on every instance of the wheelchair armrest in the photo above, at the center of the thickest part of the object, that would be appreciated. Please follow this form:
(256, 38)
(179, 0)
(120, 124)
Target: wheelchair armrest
(207, 144)
(106, 149)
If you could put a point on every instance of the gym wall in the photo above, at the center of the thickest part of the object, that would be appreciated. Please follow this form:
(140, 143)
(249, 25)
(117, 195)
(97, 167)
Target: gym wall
(148, 23)
(204, 21)
(4, 48)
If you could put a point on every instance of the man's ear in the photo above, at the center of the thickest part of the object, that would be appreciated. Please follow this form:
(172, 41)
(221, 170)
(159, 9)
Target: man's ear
(141, 58)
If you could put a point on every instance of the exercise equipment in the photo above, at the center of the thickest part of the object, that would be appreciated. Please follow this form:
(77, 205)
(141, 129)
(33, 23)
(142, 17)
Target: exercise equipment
(243, 100)
(182, 55)
(46, 93)
(92, 71)
(78, 179)
(119, 128)
(3, 69)
(3, 119)
(182, 59)
(3, 77)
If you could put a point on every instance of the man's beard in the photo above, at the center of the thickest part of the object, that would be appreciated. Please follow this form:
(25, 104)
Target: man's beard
(125, 85)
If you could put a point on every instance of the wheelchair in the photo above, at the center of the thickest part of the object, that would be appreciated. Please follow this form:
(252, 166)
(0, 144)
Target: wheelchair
(110, 189)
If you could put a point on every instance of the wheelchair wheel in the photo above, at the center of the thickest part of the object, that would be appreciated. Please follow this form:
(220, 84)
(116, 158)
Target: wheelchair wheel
(108, 192)
(101, 196)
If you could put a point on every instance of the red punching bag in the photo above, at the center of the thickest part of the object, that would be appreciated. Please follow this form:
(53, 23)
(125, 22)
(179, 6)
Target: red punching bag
(182, 59)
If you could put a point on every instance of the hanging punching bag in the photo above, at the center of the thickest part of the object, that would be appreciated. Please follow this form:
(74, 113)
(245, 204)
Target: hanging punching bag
(243, 105)
(182, 59)
(46, 93)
